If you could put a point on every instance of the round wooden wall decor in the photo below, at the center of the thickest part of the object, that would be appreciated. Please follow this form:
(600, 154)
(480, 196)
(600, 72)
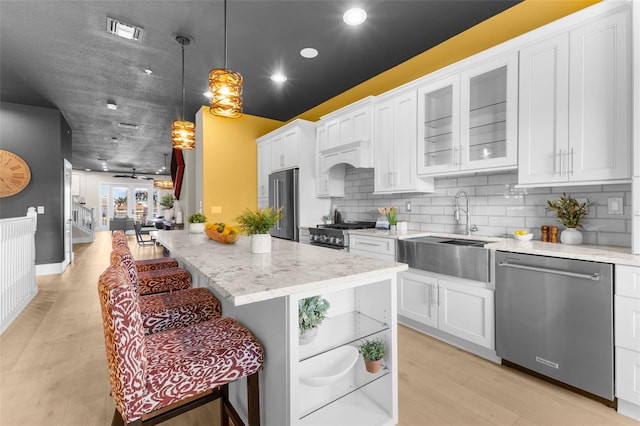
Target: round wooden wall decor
(15, 174)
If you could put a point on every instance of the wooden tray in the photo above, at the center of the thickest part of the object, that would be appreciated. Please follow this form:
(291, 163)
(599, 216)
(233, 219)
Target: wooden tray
(221, 238)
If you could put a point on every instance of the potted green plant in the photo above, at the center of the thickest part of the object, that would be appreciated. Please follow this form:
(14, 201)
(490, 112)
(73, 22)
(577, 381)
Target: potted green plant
(257, 224)
(571, 212)
(372, 351)
(196, 222)
(166, 202)
(392, 217)
(311, 312)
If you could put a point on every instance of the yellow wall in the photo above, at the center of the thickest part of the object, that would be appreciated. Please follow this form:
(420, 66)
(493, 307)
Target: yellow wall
(229, 153)
(519, 19)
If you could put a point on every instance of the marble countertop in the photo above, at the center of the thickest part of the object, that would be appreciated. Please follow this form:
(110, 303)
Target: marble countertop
(596, 253)
(242, 277)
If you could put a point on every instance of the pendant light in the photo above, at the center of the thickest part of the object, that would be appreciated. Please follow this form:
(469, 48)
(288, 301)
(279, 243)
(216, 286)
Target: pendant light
(183, 133)
(225, 86)
(163, 183)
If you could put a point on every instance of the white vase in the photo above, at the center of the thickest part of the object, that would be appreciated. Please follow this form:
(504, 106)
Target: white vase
(308, 336)
(196, 228)
(571, 236)
(260, 243)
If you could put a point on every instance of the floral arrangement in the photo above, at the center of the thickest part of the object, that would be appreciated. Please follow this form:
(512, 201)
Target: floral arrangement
(569, 210)
(390, 212)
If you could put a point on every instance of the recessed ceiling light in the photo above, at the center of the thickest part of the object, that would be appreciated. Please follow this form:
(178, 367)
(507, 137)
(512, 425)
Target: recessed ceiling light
(207, 94)
(355, 16)
(308, 52)
(112, 105)
(128, 31)
(87, 170)
(148, 71)
(114, 140)
(279, 78)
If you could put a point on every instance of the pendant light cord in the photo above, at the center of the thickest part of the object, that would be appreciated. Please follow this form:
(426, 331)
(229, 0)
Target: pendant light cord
(182, 83)
(225, 34)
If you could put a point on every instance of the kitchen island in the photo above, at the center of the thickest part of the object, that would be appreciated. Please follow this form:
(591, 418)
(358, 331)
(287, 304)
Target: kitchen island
(262, 292)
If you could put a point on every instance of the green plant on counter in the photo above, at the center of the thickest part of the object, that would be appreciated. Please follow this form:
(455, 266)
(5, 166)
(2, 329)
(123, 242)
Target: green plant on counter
(372, 350)
(311, 312)
(259, 221)
(569, 210)
(167, 201)
(392, 215)
(197, 218)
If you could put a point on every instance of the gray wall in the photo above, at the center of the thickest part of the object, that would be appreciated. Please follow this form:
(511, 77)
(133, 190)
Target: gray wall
(496, 207)
(42, 137)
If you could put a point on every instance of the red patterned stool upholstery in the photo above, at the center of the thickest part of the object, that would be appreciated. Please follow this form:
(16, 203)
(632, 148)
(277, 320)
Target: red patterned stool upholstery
(152, 281)
(119, 239)
(156, 377)
(164, 311)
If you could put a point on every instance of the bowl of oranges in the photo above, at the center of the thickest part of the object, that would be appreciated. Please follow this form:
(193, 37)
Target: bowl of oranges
(222, 233)
(522, 235)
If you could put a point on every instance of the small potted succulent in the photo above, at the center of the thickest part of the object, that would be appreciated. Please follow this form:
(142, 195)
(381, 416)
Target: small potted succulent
(372, 351)
(196, 223)
(571, 212)
(311, 312)
(257, 224)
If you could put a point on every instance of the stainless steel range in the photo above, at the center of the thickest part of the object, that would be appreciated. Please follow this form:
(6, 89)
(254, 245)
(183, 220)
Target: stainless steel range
(335, 235)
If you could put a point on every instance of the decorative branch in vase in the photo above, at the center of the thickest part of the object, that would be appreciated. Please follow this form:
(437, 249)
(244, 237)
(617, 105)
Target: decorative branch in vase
(571, 213)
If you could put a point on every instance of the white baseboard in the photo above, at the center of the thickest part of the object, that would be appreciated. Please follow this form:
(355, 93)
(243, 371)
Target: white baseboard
(629, 409)
(50, 268)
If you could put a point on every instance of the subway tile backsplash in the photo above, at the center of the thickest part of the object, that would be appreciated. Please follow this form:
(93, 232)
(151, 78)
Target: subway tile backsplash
(497, 208)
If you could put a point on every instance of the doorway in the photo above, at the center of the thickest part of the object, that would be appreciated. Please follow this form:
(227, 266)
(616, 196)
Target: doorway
(121, 200)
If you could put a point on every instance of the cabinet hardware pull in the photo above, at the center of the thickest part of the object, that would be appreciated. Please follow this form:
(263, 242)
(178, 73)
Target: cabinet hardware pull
(594, 277)
(560, 162)
(570, 162)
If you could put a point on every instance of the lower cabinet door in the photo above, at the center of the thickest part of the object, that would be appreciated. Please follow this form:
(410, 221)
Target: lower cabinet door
(628, 375)
(417, 297)
(467, 312)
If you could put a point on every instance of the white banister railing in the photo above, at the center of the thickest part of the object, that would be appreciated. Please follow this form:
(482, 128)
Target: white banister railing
(83, 218)
(17, 265)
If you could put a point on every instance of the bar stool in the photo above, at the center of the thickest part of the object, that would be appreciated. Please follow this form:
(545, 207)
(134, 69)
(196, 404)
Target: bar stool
(151, 281)
(159, 376)
(119, 239)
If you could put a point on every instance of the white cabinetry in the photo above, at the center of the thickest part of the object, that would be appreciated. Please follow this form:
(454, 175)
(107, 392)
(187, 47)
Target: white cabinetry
(456, 306)
(376, 247)
(357, 313)
(343, 137)
(395, 137)
(575, 92)
(292, 146)
(264, 168)
(627, 339)
(468, 121)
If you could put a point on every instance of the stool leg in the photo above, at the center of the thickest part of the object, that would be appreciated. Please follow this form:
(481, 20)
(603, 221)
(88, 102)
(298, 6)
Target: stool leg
(224, 401)
(253, 399)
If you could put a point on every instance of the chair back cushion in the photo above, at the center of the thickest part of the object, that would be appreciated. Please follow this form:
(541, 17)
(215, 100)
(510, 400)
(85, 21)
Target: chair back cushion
(124, 341)
(121, 256)
(119, 238)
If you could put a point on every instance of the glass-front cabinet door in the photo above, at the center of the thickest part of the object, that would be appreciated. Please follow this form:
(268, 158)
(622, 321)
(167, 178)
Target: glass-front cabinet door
(488, 122)
(438, 126)
(468, 120)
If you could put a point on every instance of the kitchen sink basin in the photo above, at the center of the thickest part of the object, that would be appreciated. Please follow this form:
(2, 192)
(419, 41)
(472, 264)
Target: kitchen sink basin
(458, 257)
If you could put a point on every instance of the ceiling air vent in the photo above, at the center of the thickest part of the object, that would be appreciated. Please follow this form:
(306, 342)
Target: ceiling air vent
(123, 30)
(128, 126)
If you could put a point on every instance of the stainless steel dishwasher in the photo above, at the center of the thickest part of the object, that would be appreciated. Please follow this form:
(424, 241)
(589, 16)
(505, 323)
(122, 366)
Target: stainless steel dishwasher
(555, 317)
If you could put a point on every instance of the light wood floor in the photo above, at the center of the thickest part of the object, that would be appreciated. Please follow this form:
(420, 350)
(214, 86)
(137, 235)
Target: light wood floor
(53, 368)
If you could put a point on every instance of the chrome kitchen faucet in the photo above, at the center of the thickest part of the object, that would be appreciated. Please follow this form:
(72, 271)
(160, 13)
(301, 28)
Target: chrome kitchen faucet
(468, 228)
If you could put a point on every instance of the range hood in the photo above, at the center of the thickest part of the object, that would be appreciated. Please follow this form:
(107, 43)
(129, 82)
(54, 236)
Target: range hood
(358, 153)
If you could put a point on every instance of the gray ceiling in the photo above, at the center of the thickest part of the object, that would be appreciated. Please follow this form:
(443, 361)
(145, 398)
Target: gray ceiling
(58, 54)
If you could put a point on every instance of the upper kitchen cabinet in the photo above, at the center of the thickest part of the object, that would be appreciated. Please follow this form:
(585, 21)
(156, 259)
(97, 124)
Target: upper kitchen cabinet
(285, 147)
(575, 95)
(343, 137)
(467, 121)
(395, 138)
(264, 168)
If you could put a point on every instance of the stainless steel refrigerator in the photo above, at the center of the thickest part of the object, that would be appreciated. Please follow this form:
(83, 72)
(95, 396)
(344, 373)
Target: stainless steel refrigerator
(283, 192)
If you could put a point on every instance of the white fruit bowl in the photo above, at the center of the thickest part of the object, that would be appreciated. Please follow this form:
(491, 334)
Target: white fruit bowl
(526, 237)
(329, 367)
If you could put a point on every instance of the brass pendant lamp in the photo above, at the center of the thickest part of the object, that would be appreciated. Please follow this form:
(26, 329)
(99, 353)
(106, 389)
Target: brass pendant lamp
(183, 133)
(225, 86)
(163, 183)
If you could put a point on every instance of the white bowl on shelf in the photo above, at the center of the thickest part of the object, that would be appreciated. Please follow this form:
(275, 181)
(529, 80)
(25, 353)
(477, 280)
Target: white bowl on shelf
(526, 237)
(329, 367)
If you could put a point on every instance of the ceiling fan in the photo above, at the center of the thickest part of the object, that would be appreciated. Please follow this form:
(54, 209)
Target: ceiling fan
(133, 176)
